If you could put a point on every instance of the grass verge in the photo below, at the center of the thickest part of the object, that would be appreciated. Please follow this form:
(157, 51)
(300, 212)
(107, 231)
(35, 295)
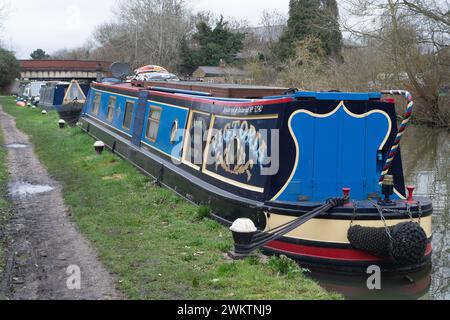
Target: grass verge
(4, 206)
(153, 241)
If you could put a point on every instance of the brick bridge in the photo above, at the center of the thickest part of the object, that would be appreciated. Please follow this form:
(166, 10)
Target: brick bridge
(64, 70)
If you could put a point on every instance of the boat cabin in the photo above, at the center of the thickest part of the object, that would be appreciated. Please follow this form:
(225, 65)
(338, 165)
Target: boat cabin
(216, 90)
(55, 94)
(326, 141)
(52, 94)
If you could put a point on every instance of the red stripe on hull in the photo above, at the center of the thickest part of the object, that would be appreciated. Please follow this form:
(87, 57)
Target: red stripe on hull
(328, 253)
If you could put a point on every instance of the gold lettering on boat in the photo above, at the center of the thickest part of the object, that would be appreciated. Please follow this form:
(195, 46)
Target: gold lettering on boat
(238, 147)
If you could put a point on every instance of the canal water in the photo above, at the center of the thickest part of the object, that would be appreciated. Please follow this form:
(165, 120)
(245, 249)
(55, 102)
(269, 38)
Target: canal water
(426, 161)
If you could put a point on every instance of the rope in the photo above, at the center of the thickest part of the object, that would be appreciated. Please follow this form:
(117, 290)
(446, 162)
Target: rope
(262, 238)
(401, 131)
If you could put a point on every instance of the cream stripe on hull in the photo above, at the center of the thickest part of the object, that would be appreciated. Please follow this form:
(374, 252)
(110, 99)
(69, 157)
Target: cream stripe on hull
(335, 231)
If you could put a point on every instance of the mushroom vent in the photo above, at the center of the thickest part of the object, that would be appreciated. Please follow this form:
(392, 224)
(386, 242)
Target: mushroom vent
(243, 226)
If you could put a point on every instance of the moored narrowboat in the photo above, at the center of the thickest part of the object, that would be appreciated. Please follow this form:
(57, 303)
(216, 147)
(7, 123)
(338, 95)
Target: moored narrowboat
(319, 174)
(30, 91)
(67, 98)
(52, 94)
(73, 102)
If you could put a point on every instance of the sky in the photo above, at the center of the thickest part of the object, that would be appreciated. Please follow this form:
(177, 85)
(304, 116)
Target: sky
(56, 24)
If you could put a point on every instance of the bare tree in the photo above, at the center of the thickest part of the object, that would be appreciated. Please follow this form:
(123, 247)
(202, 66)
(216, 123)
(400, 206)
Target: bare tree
(80, 53)
(436, 10)
(146, 32)
(413, 44)
(112, 42)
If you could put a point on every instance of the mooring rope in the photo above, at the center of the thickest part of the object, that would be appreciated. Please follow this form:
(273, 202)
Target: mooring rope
(401, 130)
(262, 239)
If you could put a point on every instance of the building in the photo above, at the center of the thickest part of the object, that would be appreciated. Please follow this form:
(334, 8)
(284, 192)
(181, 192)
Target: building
(221, 74)
(63, 70)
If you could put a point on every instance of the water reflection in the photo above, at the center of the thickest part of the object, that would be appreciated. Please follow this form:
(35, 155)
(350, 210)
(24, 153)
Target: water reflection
(426, 154)
(426, 160)
(413, 286)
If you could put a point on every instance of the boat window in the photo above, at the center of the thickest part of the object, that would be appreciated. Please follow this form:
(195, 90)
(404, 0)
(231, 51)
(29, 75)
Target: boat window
(174, 132)
(153, 123)
(111, 106)
(129, 108)
(96, 105)
(194, 142)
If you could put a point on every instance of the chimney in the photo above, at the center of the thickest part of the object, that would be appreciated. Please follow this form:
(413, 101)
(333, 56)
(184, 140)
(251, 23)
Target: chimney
(222, 63)
(99, 70)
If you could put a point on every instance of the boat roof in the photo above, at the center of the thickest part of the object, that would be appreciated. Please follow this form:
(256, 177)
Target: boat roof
(352, 96)
(232, 102)
(300, 95)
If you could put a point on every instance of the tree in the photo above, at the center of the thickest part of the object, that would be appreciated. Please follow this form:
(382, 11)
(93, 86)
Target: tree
(79, 53)
(317, 19)
(211, 45)
(9, 68)
(274, 25)
(145, 32)
(437, 11)
(434, 17)
(413, 39)
(39, 54)
(187, 64)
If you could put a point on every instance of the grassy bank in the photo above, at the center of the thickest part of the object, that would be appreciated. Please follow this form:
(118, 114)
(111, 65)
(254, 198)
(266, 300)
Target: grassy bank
(155, 242)
(4, 206)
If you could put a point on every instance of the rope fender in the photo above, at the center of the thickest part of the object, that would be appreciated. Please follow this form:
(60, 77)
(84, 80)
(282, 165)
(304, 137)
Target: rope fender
(401, 130)
(405, 243)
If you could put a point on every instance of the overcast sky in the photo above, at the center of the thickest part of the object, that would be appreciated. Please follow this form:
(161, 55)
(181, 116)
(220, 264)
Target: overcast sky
(56, 24)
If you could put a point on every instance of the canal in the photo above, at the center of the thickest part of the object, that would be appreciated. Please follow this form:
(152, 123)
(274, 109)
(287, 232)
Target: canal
(426, 161)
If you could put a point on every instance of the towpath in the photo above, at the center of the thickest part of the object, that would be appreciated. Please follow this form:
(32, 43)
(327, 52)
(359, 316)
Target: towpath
(48, 258)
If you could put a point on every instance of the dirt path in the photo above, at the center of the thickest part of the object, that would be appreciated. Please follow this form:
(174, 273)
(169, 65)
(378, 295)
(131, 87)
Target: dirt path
(44, 240)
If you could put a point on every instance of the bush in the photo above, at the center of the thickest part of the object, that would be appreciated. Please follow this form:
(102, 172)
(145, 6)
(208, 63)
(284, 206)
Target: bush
(9, 68)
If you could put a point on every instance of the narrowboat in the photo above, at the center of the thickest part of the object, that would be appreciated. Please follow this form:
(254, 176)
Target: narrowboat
(279, 161)
(73, 102)
(30, 91)
(52, 95)
(67, 98)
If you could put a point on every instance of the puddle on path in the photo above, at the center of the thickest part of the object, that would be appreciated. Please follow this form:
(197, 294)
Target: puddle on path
(16, 146)
(25, 188)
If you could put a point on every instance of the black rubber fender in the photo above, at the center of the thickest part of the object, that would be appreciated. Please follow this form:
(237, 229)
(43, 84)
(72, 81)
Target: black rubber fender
(407, 244)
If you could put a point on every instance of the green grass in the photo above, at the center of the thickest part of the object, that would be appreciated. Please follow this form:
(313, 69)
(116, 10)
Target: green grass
(158, 245)
(4, 205)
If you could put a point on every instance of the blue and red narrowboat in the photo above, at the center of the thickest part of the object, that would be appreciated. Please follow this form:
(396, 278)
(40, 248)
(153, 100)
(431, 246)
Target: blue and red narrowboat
(275, 160)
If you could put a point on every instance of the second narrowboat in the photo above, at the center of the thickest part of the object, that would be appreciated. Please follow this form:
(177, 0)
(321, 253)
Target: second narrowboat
(73, 102)
(52, 94)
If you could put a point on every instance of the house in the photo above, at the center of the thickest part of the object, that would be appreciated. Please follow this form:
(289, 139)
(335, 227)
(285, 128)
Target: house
(222, 74)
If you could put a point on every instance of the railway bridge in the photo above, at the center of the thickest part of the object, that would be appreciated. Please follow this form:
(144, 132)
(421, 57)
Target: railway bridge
(63, 70)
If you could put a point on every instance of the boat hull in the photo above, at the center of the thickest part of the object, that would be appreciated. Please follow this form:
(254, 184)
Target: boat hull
(70, 112)
(320, 244)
